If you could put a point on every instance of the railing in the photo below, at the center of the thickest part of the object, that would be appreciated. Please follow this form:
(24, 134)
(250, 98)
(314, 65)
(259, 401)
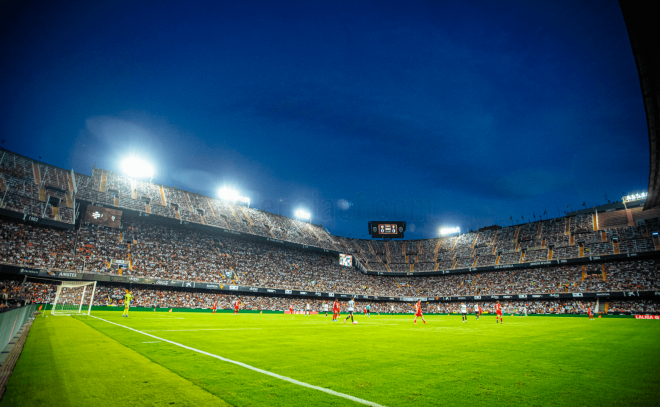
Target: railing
(11, 321)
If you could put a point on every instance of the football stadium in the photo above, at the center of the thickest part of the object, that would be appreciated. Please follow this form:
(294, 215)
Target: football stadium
(126, 283)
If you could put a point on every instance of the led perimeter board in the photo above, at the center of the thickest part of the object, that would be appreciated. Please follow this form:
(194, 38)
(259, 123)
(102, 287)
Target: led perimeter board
(103, 216)
(387, 230)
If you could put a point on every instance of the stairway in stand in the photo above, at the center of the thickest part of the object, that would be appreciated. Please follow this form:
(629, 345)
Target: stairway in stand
(208, 200)
(148, 207)
(550, 254)
(234, 213)
(371, 248)
(455, 241)
(104, 180)
(474, 242)
(594, 218)
(581, 251)
(36, 173)
(616, 248)
(247, 216)
(567, 231)
(69, 194)
(630, 217)
(584, 273)
(162, 196)
(437, 247)
(134, 189)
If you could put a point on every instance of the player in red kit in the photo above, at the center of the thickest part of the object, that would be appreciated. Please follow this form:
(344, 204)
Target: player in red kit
(480, 310)
(237, 304)
(498, 311)
(418, 312)
(591, 315)
(215, 306)
(335, 310)
(291, 309)
(365, 311)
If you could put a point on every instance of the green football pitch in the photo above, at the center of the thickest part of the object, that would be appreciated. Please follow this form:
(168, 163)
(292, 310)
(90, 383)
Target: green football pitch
(385, 360)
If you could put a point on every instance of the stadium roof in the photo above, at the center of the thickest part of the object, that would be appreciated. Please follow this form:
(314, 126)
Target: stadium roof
(644, 31)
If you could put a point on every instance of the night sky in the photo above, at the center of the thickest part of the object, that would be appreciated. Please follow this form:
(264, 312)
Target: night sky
(460, 114)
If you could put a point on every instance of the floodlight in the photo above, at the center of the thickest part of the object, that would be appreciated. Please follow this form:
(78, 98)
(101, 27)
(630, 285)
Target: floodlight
(232, 195)
(228, 194)
(137, 168)
(303, 214)
(449, 231)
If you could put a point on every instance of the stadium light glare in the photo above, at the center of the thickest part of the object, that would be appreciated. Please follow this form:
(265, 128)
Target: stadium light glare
(302, 214)
(232, 195)
(135, 167)
(228, 194)
(634, 197)
(449, 231)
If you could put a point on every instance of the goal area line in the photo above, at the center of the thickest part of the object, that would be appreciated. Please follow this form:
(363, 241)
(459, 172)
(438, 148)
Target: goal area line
(256, 369)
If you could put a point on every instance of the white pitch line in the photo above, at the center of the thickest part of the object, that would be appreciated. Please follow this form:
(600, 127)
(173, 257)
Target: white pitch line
(201, 329)
(256, 369)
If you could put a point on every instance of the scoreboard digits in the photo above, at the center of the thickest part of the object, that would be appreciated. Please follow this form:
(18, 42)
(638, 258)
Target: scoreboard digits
(390, 229)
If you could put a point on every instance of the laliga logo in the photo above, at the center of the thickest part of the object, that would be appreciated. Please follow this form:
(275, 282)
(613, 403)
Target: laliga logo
(96, 215)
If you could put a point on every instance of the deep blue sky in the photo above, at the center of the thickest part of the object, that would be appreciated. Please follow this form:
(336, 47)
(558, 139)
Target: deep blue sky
(483, 110)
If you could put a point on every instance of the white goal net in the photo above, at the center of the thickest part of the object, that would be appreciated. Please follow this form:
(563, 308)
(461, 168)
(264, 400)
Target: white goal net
(74, 297)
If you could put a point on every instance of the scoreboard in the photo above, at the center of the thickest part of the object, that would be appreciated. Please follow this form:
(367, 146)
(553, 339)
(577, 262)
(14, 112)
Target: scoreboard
(389, 229)
(103, 216)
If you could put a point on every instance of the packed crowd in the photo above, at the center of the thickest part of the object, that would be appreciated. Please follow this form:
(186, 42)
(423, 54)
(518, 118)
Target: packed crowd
(157, 251)
(113, 295)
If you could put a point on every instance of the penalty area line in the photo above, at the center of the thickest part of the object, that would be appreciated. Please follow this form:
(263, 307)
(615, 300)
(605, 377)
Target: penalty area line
(256, 369)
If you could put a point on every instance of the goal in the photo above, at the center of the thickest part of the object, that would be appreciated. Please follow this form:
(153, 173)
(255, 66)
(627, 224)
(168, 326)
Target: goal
(74, 297)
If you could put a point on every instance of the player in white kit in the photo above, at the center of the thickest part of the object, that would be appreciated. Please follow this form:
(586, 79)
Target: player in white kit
(476, 310)
(351, 308)
(307, 310)
(464, 311)
(325, 309)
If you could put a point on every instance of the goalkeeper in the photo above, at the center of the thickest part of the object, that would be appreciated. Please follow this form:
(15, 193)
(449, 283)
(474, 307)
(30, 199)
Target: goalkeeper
(127, 302)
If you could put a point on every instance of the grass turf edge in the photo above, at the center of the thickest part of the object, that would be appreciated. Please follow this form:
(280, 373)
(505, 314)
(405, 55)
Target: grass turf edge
(67, 362)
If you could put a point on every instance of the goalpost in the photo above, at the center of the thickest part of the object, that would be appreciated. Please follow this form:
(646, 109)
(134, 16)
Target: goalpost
(74, 297)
